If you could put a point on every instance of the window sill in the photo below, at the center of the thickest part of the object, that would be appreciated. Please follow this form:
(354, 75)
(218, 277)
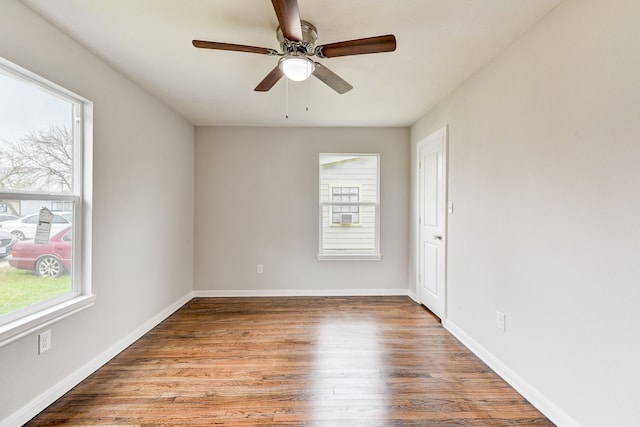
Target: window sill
(349, 257)
(19, 328)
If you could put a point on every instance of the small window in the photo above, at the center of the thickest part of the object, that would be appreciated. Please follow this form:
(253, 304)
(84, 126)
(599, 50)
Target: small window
(349, 207)
(345, 215)
(41, 171)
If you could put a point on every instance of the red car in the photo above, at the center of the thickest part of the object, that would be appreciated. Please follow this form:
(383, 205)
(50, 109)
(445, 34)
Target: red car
(52, 259)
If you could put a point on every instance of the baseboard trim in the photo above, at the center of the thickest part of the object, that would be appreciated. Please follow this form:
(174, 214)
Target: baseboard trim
(537, 399)
(299, 293)
(413, 296)
(45, 399)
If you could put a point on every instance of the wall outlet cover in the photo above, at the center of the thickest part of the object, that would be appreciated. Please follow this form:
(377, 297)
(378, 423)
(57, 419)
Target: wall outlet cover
(44, 341)
(500, 321)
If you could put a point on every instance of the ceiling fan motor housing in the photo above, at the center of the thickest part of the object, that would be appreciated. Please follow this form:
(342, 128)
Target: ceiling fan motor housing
(304, 46)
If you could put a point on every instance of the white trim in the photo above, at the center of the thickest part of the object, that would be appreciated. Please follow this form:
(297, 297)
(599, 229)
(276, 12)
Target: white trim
(328, 256)
(413, 296)
(23, 326)
(16, 71)
(537, 399)
(45, 399)
(230, 293)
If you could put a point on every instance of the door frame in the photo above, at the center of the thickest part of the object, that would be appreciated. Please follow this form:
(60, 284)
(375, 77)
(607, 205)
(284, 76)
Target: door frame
(442, 132)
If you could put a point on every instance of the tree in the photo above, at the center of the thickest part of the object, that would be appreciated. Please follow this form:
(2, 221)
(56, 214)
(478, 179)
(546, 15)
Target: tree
(39, 161)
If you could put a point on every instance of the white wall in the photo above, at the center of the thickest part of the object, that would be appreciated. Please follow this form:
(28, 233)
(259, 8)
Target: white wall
(544, 149)
(142, 209)
(257, 202)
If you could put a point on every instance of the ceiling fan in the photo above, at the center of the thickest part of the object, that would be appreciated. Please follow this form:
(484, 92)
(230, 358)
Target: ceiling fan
(297, 41)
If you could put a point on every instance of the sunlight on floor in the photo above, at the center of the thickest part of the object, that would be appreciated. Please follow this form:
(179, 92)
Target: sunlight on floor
(348, 367)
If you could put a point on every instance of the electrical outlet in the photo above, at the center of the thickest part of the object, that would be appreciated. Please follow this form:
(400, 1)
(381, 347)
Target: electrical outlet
(259, 269)
(44, 341)
(500, 318)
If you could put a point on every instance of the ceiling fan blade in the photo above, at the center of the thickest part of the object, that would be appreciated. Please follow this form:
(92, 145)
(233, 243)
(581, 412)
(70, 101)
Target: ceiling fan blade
(288, 18)
(233, 47)
(358, 47)
(269, 81)
(331, 79)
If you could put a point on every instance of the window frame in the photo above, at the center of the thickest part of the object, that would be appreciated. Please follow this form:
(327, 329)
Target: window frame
(349, 254)
(29, 319)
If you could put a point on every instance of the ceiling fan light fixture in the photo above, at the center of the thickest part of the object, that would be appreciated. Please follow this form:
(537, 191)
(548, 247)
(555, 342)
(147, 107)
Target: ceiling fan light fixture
(297, 68)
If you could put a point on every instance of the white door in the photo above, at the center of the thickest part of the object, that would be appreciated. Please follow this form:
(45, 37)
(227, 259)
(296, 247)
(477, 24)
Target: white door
(432, 205)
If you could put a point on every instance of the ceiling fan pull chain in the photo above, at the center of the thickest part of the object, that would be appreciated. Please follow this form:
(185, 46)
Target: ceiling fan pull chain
(286, 97)
(308, 84)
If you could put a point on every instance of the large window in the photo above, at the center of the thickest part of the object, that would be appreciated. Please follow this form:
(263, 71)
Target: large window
(349, 206)
(41, 191)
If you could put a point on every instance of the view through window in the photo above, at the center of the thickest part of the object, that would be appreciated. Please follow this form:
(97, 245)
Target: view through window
(40, 194)
(349, 206)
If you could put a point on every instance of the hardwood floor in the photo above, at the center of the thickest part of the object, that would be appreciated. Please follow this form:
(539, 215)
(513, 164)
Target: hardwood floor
(327, 361)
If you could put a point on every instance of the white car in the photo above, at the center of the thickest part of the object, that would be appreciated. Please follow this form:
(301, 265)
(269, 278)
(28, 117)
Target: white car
(25, 227)
(8, 217)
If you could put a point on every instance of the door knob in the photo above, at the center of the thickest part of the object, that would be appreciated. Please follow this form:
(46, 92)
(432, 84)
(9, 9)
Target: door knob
(437, 237)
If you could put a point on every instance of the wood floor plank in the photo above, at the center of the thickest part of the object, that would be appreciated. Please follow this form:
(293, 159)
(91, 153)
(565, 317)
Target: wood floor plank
(308, 361)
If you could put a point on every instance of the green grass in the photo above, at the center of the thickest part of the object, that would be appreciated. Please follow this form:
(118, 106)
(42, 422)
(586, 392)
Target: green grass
(21, 288)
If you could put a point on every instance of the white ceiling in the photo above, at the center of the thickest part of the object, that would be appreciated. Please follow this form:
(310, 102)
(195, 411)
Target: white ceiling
(440, 43)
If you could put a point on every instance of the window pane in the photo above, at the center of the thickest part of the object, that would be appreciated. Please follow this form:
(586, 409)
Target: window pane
(40, 200)
(361, 236)
(32, 270)
(36, 138)
(349, 202)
